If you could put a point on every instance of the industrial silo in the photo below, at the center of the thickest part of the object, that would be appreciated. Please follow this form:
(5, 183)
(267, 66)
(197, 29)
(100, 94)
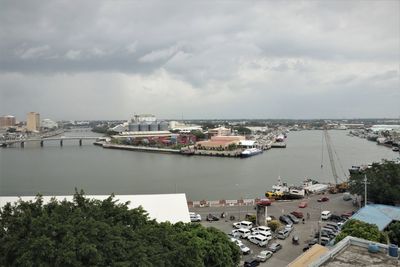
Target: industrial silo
(154, 126)
(133, 127)
(163, 126)
(143, 127)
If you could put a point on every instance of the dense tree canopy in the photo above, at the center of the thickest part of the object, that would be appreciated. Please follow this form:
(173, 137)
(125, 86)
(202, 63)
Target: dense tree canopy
(104, 233)
(363, 230)
(394, 233)
(383, 183)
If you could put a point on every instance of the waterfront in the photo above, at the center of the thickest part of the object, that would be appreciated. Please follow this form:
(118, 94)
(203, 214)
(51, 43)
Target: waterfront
(57, 170)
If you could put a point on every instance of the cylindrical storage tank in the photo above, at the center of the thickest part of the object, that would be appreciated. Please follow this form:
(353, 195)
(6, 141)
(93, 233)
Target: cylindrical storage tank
(154, 126)
(133, 127)
(143, 127)
(163, 126)
(393, 250)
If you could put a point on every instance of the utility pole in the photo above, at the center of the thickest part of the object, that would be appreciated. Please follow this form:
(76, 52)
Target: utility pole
(365, 190)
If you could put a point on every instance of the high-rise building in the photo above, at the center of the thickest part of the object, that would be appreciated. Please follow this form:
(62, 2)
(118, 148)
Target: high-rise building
(33, 121)
(7, 121)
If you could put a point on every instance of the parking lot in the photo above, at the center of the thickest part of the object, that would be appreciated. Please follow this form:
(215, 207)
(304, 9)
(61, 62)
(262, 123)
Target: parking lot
(305, 231)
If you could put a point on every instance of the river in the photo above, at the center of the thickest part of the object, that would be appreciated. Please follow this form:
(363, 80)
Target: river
(55, 170)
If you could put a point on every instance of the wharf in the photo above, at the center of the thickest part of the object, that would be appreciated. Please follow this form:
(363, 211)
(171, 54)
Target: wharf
(278, 145)
(216, 153)
(142, 148)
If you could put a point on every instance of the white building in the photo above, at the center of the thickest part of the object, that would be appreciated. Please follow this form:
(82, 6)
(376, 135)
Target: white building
(49, 124)
(161, 207)
(143, 118)
(182, 127)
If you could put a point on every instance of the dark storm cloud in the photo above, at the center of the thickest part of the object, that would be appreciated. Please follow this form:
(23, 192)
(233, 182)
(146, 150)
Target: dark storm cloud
(114, 51)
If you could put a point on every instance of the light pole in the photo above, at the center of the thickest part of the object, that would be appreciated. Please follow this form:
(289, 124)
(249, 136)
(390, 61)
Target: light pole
(238, 201)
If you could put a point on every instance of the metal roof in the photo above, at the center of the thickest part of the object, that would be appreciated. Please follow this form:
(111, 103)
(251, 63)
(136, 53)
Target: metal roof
(381, 215)
(161, 207)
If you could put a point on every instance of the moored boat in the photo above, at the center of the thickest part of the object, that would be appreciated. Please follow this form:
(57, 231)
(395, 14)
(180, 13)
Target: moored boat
(250, 152)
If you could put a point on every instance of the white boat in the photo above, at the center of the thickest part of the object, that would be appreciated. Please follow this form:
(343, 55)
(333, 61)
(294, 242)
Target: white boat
(289, 191)
(250, 152)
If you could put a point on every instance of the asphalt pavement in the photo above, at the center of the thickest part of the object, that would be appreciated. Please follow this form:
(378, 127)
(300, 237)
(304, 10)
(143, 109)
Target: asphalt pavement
(305, 231)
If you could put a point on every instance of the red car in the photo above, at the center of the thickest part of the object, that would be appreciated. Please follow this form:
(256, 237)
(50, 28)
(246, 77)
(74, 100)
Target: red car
(264, 202)
(303, 204)
(323, 199)
(297, 214)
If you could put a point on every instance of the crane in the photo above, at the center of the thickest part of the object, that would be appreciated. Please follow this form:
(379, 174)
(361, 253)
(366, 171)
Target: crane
(330, 153)
(338, 187)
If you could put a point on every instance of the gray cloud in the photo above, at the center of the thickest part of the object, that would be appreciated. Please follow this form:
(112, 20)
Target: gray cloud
(131, 54)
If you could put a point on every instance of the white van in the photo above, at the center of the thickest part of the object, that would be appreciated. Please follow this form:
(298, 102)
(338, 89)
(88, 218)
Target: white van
(243, 224)
(258, 240)
(325, 215)
(268, 234)
(244, 233)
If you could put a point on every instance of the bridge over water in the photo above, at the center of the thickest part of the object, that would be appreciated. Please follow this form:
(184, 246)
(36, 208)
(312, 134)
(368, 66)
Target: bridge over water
(61, 139)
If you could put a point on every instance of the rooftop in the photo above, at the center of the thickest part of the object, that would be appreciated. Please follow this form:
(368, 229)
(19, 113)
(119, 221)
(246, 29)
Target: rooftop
(353, 251)
(161, 207)
(381, 215)
(359, 256)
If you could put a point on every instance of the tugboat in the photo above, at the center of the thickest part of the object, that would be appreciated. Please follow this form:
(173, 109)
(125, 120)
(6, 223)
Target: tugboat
(283, 191)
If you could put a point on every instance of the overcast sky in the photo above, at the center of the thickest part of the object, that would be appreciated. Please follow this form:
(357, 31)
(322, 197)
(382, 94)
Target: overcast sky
(200, 59)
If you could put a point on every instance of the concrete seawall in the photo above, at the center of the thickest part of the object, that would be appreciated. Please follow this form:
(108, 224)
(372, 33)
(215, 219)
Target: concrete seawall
(142, 148)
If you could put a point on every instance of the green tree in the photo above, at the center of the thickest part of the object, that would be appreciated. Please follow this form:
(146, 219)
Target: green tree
(383, 183)
(199, 134)
(86, 232)
(394, 233)
(274, 225)
(363, 230)
(243, 130)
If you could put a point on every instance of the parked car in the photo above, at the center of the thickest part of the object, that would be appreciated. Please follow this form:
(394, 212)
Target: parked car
(235, 233)
(259, 240)
(347, 196)
(335, 218)
(263, 233)
(251, 263)
(283, 234)
(195, 217)
(298, 214)
(310, 244)
(244, 233)
(211, 217)
(323, 199)
(303, 204)
(274, 247)
(325, 215)
(313, 241)
(323, 234)
(261, 228)
(293, 218)
(243, 224)
(289, 227)
(325, 241)
(264, 202)
(245, 250)
(264, 255)
(236, 241)
(286, 220)
(347, 215)
(334, 225)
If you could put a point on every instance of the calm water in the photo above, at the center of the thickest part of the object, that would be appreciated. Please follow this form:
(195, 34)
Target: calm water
(58, 170)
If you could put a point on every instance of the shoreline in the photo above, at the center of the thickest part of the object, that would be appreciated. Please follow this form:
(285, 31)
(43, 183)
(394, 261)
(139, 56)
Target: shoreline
(141, 148)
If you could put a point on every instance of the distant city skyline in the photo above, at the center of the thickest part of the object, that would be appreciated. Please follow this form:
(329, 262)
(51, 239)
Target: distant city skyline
(200, 60)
